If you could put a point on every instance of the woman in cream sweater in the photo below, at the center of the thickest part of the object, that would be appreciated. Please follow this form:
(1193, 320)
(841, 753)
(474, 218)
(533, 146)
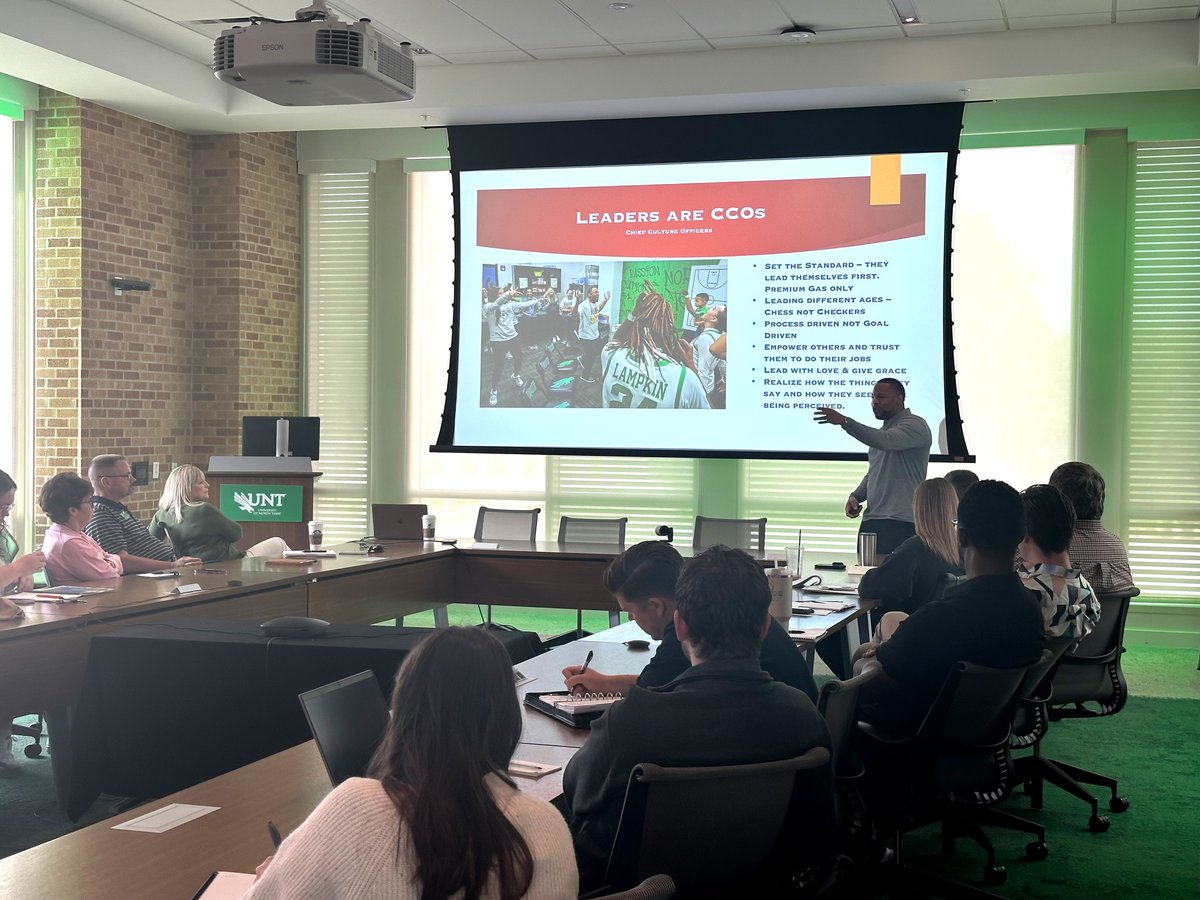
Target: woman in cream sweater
(440, 817)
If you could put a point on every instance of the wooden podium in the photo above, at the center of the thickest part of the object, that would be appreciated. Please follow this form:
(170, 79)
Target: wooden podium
(264, 473)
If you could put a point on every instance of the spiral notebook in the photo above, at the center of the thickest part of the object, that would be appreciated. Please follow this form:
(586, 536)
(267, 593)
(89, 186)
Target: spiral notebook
(576, 710)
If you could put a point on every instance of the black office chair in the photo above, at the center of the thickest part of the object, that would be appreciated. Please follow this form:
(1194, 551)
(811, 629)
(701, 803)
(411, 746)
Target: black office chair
(605, 532)
(745, 829)
(744, 534)
(837, 702)
(558, 388)
(656, 887)
(1089, 683)
(34, 750)
(501, 525)
(952, 770)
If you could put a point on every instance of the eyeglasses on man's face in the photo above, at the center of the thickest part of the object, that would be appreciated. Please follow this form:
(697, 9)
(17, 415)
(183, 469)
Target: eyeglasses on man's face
(126, 475)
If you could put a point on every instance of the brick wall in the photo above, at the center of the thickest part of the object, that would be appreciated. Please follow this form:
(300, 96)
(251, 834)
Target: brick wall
(246, 205)
(212, 222)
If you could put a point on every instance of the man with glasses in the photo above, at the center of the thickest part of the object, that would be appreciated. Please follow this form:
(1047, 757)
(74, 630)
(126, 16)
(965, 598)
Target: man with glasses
(116, 529)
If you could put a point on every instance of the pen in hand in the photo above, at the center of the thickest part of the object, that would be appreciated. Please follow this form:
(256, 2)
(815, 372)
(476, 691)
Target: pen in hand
(587, 661)
(276, 837)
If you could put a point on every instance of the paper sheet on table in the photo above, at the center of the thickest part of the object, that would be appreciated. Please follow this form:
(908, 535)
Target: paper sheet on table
(225, 886)
(166, 818)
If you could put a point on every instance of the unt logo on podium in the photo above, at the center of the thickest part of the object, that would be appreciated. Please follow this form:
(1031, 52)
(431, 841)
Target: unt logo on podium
(263, 503)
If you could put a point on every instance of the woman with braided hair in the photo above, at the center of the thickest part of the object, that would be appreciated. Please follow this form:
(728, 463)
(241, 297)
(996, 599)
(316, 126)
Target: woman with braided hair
(646, 365)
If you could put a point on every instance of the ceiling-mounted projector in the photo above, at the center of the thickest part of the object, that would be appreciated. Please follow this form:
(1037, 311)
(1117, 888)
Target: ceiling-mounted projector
(315, 60)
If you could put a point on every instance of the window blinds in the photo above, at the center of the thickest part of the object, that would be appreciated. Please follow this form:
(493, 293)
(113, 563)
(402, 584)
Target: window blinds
(1162, 505)
(337, 300)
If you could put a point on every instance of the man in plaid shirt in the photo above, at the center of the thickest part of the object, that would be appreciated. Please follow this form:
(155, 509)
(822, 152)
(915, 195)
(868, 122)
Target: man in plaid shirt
(1095, 551)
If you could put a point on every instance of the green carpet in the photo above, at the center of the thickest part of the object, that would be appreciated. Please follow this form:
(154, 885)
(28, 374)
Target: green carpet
(1151, 850)
(1162, 672)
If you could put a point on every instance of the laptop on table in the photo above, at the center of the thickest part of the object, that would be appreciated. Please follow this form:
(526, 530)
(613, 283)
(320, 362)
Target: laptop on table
(348, 719)
(397, 521)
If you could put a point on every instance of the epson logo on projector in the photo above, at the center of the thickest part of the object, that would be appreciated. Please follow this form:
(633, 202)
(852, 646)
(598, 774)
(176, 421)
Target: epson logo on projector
(267, 48)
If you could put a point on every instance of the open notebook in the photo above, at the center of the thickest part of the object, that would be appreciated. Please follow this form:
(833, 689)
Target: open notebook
(576, 710)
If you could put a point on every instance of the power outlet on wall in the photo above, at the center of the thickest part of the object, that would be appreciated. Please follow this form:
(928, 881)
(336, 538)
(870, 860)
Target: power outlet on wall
(155, 468)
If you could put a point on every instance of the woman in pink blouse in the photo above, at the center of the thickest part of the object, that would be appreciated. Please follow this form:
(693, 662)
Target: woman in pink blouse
(70, 554)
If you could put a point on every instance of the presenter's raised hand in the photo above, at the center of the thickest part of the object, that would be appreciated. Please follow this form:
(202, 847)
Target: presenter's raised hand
(826, 416)
(853, 507)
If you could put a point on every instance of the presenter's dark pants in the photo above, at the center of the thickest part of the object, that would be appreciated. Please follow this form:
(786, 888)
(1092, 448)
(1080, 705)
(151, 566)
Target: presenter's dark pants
(889, 533)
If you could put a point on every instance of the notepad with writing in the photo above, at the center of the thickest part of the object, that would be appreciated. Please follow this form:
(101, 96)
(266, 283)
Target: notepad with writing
(576, 710)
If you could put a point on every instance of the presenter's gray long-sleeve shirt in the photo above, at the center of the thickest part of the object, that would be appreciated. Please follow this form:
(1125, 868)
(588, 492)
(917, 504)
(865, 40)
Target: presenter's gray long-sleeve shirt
(898, 460)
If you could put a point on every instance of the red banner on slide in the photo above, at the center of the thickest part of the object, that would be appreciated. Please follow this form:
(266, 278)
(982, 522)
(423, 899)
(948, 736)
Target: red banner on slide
(745, 218)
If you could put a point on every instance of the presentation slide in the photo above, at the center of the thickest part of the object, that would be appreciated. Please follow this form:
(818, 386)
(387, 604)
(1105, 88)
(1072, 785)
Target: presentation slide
(698, 306)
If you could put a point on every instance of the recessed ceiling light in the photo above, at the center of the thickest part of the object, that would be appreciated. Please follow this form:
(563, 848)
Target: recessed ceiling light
(798, 34)
(907, 11)
(620, 7)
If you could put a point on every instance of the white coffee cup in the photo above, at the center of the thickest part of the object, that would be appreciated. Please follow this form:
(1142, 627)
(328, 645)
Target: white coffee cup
(428, 526)
(316, 535)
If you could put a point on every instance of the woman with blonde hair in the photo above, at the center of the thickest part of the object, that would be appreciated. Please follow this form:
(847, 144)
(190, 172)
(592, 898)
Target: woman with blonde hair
(196, 527)
(916, 571)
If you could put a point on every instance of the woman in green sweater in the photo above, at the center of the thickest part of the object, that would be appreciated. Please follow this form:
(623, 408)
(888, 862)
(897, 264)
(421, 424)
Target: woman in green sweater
(196, 527)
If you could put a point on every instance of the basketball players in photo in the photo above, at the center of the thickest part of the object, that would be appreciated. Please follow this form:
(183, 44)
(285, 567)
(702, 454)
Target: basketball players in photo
(646, 365)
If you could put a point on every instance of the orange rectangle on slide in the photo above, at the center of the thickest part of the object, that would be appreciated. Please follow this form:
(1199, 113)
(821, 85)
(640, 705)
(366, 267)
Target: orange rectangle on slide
(885, 180)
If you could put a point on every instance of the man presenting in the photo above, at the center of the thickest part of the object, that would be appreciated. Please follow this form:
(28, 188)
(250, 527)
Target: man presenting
(113, 526)
(724, 710)
(897, 461)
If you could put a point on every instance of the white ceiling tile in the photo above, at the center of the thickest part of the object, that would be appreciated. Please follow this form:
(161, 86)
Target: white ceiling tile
(830, 15)
(531, 24)
(1104, 18)
(663, 47)
(437, 25)
(1155, 15)
(721, 18)
(939, 28)
(498, 56)
(1021, 9)
(645, 20)
(841, 35)
(755, 40)
(575, 52)
(1192, 5)
(936, 12)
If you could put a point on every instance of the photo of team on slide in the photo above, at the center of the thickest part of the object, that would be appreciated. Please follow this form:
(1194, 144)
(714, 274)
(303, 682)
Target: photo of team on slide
(624, 335)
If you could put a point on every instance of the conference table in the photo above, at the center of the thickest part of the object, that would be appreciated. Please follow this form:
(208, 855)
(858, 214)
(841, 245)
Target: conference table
(43, 656)
(100, 862)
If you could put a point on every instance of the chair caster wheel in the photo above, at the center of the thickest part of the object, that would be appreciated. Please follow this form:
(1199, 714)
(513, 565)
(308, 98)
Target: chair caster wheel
(1118, 804)
(33, 751)
(1098, 824)
(994, 876)
(1036, 851)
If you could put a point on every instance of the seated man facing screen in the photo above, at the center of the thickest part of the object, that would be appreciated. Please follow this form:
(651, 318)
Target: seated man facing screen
(1095, 551)
(114, 527)
(642, 579)
(1070, 608)
(990, 619)
(723, 710)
